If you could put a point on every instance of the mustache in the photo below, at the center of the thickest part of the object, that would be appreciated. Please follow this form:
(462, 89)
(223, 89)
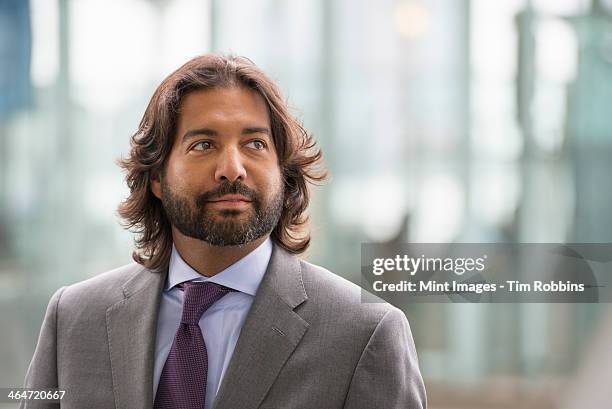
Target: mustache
(228, 188)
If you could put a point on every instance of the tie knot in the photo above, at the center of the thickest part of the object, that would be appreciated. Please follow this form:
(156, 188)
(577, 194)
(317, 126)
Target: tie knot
(198, 298)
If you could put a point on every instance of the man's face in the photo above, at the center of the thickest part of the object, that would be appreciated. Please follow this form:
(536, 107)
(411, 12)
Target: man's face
(222, 181)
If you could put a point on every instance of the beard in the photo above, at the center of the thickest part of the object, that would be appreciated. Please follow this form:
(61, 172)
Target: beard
(200, 222)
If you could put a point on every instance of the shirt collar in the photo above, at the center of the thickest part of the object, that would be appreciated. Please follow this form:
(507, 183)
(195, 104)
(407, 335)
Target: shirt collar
(244, 275)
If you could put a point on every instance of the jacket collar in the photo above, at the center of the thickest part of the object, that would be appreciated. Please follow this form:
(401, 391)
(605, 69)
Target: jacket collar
(270, 334)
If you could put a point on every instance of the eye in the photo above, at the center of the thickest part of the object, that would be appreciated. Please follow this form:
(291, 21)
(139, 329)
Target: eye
(202, 146)
(257, 144)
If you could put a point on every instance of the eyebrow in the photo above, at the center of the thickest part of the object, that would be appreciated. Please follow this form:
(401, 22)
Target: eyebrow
(192, 133)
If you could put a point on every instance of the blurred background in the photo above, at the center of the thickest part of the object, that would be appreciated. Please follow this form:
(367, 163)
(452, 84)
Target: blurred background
(441, 121)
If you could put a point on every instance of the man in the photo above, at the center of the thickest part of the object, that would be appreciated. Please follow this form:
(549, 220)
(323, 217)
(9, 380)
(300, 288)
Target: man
(218, 312)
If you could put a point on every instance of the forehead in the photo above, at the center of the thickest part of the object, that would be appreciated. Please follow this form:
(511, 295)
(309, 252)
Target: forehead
(222, 106)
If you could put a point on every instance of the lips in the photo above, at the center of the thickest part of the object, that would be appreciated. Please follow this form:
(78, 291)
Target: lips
(237, 202)
(231, 199)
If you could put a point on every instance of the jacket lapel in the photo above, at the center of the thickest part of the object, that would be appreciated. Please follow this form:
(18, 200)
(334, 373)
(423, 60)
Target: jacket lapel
(131, 328)
(271, 332)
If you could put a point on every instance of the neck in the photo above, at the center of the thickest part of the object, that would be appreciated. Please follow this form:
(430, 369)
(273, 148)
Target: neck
(210, 260)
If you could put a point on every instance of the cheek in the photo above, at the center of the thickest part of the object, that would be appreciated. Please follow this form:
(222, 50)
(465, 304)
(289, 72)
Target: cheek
(188, 178)
(268, 183)
(276, 184)
(274, 178)
(280, 182)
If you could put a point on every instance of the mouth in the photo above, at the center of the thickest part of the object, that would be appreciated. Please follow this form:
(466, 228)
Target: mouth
(232, 201)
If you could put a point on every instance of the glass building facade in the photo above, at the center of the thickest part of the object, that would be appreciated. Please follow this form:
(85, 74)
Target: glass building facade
(440, 121)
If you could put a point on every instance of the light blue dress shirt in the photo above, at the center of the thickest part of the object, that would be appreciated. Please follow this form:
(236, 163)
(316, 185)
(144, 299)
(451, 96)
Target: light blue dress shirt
(221, 323)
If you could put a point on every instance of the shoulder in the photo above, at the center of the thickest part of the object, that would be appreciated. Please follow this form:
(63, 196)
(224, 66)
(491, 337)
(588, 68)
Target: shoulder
(99, 291)
(331, 294)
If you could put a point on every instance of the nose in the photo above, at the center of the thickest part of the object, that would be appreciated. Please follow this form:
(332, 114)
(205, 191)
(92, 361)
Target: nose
(230, 166)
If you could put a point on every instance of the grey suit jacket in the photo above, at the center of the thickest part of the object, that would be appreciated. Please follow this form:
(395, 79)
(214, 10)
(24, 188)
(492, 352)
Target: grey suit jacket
(307, 342)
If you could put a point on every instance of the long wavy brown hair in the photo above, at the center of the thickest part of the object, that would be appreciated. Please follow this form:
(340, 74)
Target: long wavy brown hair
(300, 159)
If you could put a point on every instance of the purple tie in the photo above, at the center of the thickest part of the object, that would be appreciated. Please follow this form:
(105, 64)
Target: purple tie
(182, 384)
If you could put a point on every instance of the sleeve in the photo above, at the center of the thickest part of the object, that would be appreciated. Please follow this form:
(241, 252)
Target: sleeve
(387, 375)
(42, 372)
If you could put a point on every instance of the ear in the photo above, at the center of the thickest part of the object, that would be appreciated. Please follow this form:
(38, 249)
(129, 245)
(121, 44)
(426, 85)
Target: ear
(156, 184)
